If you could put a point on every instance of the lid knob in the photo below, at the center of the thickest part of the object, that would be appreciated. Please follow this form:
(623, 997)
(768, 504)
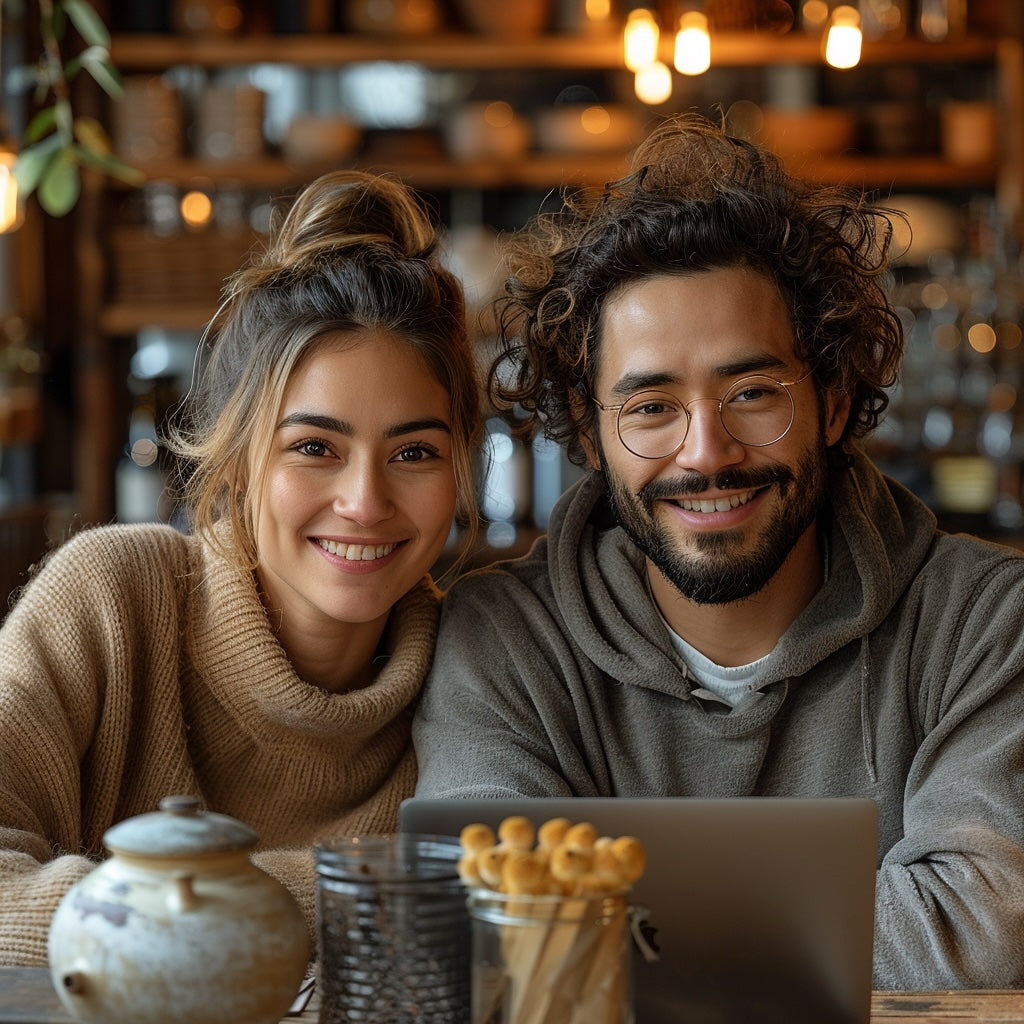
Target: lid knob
(183, 805)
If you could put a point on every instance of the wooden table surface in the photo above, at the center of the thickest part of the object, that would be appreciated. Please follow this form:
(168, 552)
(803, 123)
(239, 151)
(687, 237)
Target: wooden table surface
(27, 997)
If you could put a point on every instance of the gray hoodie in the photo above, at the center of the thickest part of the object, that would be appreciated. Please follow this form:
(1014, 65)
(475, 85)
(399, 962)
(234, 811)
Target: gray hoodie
(902, 681)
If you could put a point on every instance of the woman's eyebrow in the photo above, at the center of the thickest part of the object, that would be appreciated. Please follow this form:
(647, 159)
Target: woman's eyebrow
(320, 421)
(315, 419)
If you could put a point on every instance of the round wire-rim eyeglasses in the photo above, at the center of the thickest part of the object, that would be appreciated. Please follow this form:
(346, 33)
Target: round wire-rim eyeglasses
(756, 411)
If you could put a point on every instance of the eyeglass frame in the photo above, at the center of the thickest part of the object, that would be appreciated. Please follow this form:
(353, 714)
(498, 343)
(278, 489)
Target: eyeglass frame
(685, 406)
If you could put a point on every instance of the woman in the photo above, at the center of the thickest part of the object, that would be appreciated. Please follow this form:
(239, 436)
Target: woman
(269, 660)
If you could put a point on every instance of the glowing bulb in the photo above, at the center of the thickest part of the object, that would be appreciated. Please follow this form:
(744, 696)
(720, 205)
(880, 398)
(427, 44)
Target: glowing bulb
(9, 210)
(843, 39)
(640, 39)
(196, 209)
(693, 44)
(653, 83)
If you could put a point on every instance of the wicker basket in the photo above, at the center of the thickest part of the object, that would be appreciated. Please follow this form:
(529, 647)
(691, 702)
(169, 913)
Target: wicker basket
(189, 267)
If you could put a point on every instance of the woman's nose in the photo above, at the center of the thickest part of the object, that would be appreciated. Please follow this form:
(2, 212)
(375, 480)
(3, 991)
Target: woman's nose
(363, 494)
(708, 446)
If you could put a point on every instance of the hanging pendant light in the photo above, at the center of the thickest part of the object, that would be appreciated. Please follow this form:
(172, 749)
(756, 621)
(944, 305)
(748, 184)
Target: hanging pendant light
(693, 44)
(843, 38)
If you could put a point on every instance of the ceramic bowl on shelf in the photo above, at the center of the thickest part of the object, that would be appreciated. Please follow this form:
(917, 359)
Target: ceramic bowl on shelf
(320, 139)
(807, 131)
(587, 128)
(394, 17)
(486, 130)
(511, 19)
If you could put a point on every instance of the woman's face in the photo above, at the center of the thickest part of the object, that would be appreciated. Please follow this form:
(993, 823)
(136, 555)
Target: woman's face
(359, 491)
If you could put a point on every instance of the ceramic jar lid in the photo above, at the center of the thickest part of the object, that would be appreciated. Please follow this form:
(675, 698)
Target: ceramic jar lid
(179, 828)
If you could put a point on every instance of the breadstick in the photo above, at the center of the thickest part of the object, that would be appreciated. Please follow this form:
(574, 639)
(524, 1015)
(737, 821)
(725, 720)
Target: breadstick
(488, 864)
(516, 833)
(477, 837)
(563, 957)
(552, 832)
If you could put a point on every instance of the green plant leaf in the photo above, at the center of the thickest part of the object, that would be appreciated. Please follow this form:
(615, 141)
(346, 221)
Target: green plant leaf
(96, 61)
(33, 161)
(61, 184)
(88, 23)
(42, 124)
(91, 135)
(63, 120)
(110, 164)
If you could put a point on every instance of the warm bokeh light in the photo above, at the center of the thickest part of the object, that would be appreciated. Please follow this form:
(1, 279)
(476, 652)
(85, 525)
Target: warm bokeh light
(843, 38)
(640, 39)
(499, 114)
(814, 14)
(595, 120)
(597, 10)
(1002, 397)
(946, 337)
(196, 209)
(653, 83)
(9, 209)
(693, 44)
(981, 337)
(934, 295)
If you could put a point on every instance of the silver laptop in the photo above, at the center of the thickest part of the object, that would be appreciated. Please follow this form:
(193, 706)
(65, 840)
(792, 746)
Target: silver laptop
(761, 909)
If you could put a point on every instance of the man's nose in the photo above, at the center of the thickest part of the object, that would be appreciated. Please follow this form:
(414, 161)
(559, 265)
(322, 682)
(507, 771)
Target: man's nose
(708, 446)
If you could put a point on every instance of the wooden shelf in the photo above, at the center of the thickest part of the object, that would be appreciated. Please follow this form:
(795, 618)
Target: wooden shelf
(550, 170)
(461, 51)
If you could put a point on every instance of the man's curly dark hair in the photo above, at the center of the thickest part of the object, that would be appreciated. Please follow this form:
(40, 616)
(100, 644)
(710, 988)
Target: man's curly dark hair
(696, 200)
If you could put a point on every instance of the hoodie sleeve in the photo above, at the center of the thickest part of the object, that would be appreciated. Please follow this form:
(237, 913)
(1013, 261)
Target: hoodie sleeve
(950, 892)
(496, 718)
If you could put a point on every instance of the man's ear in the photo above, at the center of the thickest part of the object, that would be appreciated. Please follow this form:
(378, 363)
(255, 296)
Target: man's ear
(837, 412)
(578, 408)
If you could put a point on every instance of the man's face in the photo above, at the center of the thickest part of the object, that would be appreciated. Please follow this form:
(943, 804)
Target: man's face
(718, 519)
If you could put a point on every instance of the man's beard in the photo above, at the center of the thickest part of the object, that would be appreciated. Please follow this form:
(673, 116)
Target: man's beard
(722, 573)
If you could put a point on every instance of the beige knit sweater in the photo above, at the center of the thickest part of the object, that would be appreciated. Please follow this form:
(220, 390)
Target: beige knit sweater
(139, 664)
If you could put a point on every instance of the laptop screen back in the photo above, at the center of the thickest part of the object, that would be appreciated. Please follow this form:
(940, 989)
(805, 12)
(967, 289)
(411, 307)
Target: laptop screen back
(762, 909)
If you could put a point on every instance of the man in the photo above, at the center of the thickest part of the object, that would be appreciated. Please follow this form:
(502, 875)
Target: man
(735, 601)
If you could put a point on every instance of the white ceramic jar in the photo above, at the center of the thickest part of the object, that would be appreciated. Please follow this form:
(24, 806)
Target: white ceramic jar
(178, 927)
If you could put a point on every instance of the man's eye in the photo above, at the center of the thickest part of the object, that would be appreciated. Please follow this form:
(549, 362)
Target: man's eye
(651, 407)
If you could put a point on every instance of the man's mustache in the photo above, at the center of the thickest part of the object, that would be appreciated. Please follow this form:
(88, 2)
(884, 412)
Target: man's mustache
(687, 484)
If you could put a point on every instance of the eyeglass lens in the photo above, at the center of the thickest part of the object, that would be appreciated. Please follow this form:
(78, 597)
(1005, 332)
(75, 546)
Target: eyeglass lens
(755, 411)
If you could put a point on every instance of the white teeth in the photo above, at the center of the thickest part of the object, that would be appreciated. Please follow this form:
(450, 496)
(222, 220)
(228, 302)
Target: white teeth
(715, 504)
(357, 552)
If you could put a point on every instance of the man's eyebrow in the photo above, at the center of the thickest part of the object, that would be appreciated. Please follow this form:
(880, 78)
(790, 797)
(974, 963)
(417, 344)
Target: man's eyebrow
(319, 421)
(642, 380)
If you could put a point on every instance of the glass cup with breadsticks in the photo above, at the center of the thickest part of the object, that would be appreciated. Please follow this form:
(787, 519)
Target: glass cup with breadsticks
(550, 913)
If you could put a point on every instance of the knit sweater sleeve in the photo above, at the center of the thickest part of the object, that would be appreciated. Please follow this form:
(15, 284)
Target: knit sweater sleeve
(59, 647)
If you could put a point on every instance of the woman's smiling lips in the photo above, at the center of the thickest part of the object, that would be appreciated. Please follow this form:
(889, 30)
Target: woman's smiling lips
(357, 557)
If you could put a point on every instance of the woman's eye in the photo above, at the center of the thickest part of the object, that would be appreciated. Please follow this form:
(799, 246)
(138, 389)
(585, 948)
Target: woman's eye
(416, 453)
(312, 447)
